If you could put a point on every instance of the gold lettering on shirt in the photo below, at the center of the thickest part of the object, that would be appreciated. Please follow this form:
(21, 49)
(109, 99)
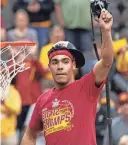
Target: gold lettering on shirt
(58, 118)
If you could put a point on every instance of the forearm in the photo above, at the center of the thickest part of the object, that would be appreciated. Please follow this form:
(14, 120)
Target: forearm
(107, 51)
(26, 141)
(28, 138)
(59, 14)
(102, 67)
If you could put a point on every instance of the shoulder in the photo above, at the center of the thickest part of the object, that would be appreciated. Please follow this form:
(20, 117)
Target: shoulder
(11, 35)
(44, 97)
(86, 79)
(12, 31)
(32, 31)
(13, 91)
(88, 76)
(46, 48)
(14, 95)
(116, 120)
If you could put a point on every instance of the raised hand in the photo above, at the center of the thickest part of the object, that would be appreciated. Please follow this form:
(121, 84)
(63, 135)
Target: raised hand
(105, 20)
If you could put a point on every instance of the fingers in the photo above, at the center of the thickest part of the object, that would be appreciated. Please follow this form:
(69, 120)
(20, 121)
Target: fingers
(105, 15)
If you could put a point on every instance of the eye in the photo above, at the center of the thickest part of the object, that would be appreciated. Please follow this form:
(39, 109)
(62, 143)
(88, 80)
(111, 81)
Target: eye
(54, 62)
(66, 61)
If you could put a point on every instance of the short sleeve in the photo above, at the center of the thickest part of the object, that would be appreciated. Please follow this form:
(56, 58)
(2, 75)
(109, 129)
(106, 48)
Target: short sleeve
(35, 121)
(33, 35)
(10, 35)
(88, 82)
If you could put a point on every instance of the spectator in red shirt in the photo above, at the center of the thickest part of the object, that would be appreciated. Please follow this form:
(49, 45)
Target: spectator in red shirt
(67, 112)
(28, 83)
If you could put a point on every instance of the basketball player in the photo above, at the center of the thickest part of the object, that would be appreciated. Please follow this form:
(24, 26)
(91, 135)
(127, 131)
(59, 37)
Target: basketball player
(67, 112)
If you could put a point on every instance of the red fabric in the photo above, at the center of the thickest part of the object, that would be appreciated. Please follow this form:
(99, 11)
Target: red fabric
(68, 116)
(2, 22)
(28, 86)
(60, 52)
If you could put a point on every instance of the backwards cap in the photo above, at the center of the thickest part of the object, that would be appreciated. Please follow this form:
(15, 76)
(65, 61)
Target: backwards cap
(69, 47)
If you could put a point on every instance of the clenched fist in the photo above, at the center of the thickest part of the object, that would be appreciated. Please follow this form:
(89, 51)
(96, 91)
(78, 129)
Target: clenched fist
(105, 20)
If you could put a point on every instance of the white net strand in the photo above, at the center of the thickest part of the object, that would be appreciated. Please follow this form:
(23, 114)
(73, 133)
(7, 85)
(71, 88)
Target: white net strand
(8, 72)
(4, 79)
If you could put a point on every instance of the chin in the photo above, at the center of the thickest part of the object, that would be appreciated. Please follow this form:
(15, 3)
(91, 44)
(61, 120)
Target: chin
(61, 82)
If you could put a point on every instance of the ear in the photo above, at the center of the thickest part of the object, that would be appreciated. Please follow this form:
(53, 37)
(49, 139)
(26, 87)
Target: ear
(49, 67)
(74, 65)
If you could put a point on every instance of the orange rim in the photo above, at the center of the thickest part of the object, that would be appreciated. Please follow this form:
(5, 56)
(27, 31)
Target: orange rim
(18, 43)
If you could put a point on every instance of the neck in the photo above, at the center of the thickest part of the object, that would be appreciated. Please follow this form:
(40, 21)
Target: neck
(60, 87)
(125, 117)
(53, 41)
(21, 29)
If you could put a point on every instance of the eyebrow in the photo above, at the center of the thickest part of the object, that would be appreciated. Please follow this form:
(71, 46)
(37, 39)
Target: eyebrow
(54, 59)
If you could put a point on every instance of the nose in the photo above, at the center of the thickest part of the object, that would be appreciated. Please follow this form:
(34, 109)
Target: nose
(60, 66)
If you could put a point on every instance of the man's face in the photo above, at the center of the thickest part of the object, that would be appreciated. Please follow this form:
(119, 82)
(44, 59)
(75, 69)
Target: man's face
(124, 109)
(62, 69)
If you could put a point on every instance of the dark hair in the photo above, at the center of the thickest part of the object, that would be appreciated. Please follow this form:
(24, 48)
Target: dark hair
(13, 82)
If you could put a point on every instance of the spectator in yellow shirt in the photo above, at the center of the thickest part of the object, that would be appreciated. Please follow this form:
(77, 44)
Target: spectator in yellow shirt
(119, 45)
(10, 108)
(56, 34)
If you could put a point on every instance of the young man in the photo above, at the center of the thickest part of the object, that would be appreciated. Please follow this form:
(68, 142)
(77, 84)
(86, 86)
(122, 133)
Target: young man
(56, 34)
(67, 112)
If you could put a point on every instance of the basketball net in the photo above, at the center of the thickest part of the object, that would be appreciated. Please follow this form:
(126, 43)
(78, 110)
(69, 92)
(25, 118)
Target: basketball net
(9, 68)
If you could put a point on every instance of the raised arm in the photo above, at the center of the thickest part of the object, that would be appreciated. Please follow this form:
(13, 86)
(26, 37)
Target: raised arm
(29, 137)
(102, 67)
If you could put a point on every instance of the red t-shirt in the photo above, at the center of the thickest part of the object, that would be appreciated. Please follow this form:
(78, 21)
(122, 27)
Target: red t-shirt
(67, 116)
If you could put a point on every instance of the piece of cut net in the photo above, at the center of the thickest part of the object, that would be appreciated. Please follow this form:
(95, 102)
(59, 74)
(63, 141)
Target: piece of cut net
(9, 68)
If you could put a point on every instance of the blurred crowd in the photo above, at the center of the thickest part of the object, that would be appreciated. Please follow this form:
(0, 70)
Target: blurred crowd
(47, 22)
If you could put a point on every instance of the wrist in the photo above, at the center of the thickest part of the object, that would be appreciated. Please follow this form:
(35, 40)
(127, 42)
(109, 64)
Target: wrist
(107, 31)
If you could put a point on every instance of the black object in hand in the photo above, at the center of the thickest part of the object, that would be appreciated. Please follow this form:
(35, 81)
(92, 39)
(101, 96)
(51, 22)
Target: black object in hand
(97, 6)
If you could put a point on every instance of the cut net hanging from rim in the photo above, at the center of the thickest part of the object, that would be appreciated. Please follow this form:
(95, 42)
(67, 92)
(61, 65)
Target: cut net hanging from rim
(9, 68)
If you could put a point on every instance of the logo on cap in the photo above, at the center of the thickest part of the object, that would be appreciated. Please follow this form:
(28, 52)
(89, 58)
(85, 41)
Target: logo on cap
(62, 44)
